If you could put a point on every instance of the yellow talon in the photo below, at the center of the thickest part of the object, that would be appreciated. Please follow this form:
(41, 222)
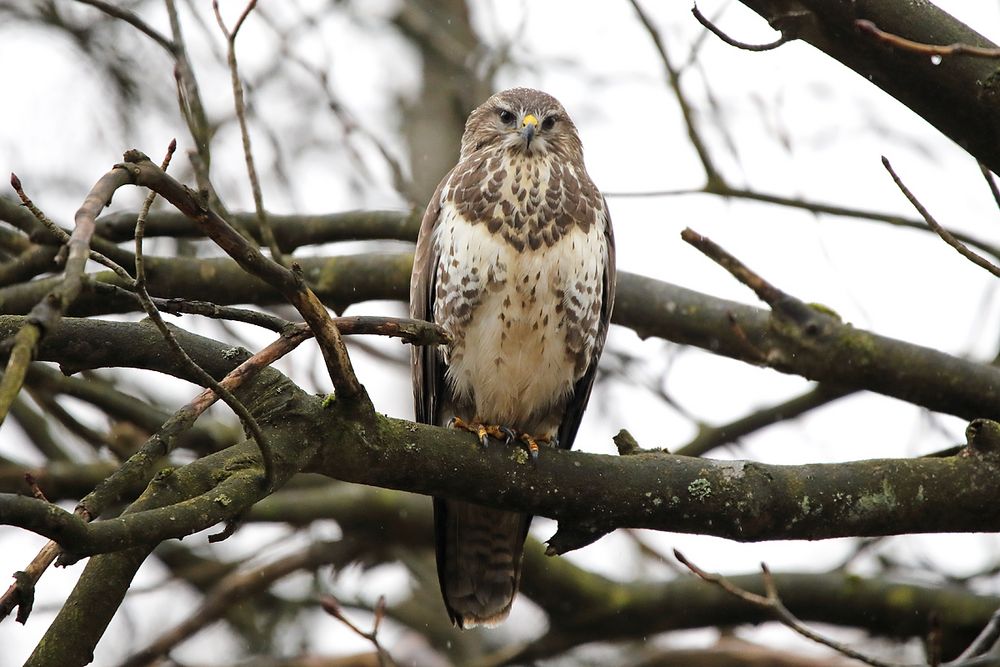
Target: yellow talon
(532, 444)
(482, 431)
(486, 431)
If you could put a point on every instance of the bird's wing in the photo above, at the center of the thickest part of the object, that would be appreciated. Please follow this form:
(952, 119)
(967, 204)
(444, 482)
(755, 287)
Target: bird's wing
(428, 367)
(581, 391)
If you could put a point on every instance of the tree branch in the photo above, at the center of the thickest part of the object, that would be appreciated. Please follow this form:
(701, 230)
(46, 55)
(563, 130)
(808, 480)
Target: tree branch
(743, 501)
(708, 438)
(821, 348)
(47, 312)
(144, 172)
(585, 607)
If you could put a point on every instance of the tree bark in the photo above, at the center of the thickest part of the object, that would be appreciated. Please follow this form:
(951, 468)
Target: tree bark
(589, 494)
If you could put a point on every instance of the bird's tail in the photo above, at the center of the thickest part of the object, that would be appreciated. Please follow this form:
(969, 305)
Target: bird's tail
(479, 560)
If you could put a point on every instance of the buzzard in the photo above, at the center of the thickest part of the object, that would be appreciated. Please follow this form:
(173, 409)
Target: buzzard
(516, 260)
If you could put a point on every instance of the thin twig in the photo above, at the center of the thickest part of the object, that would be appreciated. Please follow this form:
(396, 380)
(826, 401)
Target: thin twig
(204, 377)
(189, 97)
(986, 639)
(162, 442)
(332, 607)
(21, 593)
(36, 491)
(712, 175)
(289, 283)
(709, 438)
(179, 306)
(955, 49)
(238, 586)
(814, 207)
(241, 116)
(133, 20)
(714, 29)
(49, 310)
(767, 292)
(945, 235)
(772, 603)
(402, 184)
(994, 190)
(62, 236)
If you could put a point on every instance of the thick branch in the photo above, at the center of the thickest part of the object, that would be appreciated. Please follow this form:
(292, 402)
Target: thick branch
(217, 487)
(739, 500)
(818, 347)
(585, 607)
(339, 281)
(290, 231)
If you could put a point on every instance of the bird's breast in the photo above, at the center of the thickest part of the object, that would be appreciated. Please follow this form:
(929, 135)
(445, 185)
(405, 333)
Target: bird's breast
(524, 320)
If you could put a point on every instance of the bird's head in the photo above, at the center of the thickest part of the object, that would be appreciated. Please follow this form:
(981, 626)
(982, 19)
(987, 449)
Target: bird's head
(524, 121)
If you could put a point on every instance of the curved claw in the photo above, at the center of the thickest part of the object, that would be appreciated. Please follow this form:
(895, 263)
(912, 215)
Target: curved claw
(532, 444)
(508, 435)
(481, 431)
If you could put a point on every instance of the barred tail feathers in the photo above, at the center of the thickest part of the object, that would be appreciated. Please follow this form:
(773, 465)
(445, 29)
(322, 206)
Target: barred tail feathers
(479, 553)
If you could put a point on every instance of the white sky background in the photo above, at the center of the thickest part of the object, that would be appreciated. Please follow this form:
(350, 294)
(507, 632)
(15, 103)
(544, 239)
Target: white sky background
(597, 59)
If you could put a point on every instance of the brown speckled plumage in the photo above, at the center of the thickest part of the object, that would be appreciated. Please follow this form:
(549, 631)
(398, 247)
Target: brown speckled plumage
(515, 259)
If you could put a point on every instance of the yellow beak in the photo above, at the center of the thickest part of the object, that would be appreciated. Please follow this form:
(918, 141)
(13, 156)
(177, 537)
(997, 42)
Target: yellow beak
(528, 127)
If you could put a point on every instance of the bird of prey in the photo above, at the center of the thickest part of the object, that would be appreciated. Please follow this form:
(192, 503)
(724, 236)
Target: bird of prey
(516, 260)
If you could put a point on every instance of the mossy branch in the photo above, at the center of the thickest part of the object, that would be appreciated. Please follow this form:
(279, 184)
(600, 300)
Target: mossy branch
(739, 500)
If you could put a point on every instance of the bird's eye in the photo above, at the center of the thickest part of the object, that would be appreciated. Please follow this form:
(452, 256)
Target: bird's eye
(548, 123)
(506, 117)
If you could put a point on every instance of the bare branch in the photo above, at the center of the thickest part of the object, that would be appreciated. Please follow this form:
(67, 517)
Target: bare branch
(724, 190)
(712, 175)
(332, 607)
(63, 237)
(143, 172)
(956, 49)
(945, 235)
(239, 586)
(767, 292)
(984, 643)
(140, 465)
(773, 604)
(134, 20)
(241, 116)
(991, 183)
(708, 438)
(47, 312)
(715, 30)
(189, 98)
(205, 378)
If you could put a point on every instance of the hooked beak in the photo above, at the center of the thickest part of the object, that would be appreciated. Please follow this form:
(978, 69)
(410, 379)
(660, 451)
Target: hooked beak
(528, 127)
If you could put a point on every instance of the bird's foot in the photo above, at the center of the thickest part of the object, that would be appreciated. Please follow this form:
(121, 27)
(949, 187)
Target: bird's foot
(483, 431)
(532, 442)
(508, 435)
